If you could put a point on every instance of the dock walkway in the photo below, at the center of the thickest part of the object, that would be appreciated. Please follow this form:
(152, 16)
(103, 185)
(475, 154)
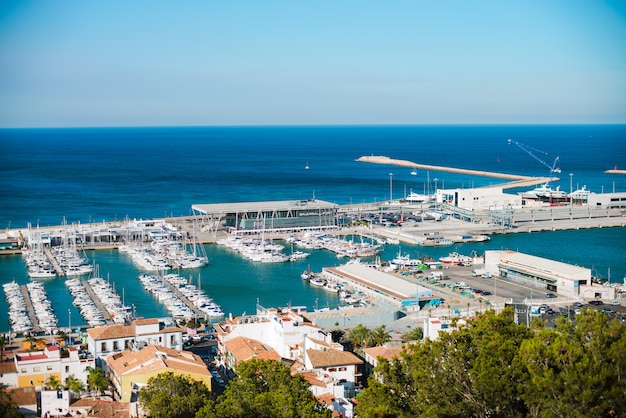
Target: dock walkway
(96, 300)
(55, 264)
(197, 312)
(31, 311)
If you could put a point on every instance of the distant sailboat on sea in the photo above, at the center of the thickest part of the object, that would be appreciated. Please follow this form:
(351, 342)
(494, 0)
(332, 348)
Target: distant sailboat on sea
(306, 167)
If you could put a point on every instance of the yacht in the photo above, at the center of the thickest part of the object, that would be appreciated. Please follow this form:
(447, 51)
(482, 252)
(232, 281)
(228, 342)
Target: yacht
(545, 193)
(580, 195)
(417, 198)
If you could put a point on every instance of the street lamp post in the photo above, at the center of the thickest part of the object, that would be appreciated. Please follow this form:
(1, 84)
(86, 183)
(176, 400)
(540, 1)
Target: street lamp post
(69, 320)
(390, 187)
(571, 175)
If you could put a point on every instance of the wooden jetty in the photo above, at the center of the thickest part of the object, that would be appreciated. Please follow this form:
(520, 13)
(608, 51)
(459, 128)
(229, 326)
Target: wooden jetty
(29, 308)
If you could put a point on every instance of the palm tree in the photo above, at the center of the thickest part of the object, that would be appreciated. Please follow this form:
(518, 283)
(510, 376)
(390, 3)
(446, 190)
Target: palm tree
(96, 379)
(359, 336)
(74, 385)
(53, 383)
(379, 336)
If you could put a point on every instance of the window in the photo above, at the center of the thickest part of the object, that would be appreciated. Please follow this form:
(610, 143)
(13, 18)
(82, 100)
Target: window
(67, 369)
(49, 367)
(115, 345)
(23, 370)
(103, 346)
(36, 369)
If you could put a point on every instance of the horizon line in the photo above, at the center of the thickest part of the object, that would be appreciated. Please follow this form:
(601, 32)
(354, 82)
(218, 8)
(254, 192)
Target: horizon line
(310, 125)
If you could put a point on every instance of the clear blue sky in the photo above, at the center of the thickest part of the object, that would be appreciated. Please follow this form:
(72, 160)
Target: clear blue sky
(145, 63)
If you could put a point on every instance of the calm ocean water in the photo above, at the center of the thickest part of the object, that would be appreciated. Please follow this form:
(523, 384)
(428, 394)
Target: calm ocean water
(86, 175)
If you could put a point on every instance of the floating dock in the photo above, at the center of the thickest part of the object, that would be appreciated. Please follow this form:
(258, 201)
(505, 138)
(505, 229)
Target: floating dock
(31, 311)
(96, 300)
(184, 299)
(53, 261)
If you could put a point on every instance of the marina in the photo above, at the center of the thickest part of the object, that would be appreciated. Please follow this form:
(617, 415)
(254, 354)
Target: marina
(252, 179)
(20, 315)
(182, 299)
(94, 314)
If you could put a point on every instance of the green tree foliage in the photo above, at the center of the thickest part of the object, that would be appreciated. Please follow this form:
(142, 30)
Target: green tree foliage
(577, 368)
(3, 345)
(416, 334)
(53, 383)
(337, 335)
(495, 368)
(173, 396)
(74, 385)
(8, 408)
(362, 337)
(358, 336)
(96, 380)
(265, 388)
(379, 336)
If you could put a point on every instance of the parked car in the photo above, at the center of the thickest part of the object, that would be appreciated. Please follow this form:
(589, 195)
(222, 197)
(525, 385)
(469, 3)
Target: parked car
(486, 293)
(578, 304)
(596, 302)
(615, 302)
(550, 295)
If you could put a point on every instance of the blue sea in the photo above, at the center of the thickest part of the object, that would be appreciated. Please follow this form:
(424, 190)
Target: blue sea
(94, 174)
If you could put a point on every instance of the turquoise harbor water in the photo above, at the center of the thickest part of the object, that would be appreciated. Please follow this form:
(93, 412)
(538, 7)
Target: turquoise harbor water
(83, 175)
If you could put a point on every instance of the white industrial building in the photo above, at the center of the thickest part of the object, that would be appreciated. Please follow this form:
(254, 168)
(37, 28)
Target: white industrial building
(552, 276)
(383, 287)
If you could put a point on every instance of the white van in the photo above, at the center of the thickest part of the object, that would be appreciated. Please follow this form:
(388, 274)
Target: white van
(435, 275)
(478, 272)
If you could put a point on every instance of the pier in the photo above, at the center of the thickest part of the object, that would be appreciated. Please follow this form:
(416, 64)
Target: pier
(53, 261)
(96, 300)
(518, 181)
(31, 311)
(197, 312)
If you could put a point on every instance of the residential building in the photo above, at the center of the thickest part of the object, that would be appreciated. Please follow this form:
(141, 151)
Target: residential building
(388, 351)
(241, 349)
(338, 370)
(26, 401)
(129, 369)
(34, 368)
(94, 407)
(106, 340)
(283, 330)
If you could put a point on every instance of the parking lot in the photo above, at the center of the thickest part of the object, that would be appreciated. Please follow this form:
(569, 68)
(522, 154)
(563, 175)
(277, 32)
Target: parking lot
(458, 286)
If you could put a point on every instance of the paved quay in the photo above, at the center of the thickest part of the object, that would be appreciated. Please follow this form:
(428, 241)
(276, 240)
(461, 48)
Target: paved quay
(520, 180)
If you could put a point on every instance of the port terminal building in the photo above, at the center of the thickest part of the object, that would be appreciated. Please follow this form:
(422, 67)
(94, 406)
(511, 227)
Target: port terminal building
(249, 218)
(547, 275)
